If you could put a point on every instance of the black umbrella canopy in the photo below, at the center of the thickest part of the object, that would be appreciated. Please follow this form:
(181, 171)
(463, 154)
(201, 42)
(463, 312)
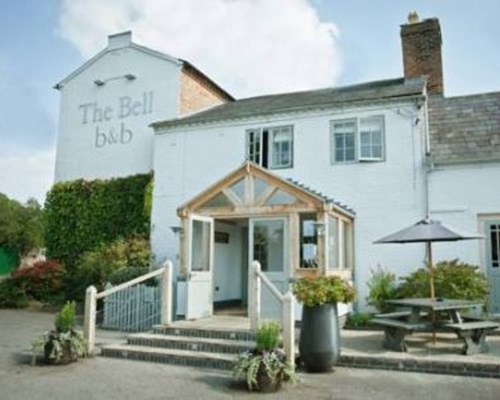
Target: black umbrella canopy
(426, 230)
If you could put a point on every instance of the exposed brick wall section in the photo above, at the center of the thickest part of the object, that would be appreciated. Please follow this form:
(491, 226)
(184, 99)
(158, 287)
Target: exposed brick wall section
(421, 44)
(198, 93)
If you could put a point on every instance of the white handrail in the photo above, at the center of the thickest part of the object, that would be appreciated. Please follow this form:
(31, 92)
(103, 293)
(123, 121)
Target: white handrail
(256, 276)
(91, 297)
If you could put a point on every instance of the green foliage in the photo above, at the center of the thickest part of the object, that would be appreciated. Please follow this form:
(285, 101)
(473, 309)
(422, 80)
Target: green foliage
(97, 266)
(84, 215)
(126, 274)
(323, 289)
(268, 336)
(382, 287)
(41, 282)
(21, 226)
(452, 280)
(65, 320)
(59, 347)
(357, 320)
(12, 295)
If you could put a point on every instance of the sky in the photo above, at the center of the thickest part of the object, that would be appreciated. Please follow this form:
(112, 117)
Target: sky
(249, 47)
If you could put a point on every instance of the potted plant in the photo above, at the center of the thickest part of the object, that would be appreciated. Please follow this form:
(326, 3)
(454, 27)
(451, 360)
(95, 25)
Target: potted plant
(264, 368)
(319, 343)
(64, 344)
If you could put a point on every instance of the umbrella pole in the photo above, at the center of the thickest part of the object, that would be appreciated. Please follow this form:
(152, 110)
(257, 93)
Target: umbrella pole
(433, 293)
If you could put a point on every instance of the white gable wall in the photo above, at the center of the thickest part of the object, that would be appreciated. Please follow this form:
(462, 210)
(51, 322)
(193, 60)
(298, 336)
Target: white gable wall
(385, 196)
(103, 130)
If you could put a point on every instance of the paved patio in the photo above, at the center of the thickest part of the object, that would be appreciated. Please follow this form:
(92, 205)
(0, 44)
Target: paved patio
(110, 379)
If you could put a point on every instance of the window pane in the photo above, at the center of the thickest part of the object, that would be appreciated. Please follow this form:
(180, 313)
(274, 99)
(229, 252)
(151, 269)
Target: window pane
(308, 241)
(332, 242)
(344, 140)
(371, 131)
(269, 244)
(281, 197)
(220, 200)
(281, 147)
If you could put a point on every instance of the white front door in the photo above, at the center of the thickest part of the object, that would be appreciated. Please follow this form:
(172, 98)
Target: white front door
(268, 239)
(199, 302)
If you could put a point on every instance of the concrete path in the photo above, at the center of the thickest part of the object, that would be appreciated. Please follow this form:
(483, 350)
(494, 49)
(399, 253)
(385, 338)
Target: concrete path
(110, 379)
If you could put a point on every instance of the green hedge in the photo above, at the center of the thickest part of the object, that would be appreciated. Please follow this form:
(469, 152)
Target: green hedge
(83, 215)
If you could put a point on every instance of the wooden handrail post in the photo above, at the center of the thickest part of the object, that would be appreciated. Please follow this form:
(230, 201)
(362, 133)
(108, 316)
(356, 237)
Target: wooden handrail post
(254, 287)
(288, 320)
(166, 293)
(89, 319)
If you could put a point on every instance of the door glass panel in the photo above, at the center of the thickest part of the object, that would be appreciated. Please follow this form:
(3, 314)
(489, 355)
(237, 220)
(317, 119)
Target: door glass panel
(200, 248)
(268, 244)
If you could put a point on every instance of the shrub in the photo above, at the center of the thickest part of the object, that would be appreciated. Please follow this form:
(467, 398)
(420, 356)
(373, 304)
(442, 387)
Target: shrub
(357, 320)
(126, 274)
(42, 282)
(323, 289)
(382, 287)
(11, 295)
(452, 279)
(97, 266)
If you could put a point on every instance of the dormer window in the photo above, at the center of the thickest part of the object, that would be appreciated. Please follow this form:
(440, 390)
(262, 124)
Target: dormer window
(270, 147)
(358, 139)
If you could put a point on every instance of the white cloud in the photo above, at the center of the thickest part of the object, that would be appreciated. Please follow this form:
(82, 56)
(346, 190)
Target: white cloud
(24, 176)
(250, 47)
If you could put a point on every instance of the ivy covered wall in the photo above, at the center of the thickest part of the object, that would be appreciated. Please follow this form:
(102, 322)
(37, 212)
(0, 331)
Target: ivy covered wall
(82, 215)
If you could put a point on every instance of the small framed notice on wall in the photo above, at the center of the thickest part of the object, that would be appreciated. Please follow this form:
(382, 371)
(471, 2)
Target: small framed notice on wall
(221, 237)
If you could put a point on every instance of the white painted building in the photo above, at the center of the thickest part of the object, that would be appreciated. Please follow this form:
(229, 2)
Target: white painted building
(330, 171)
(107, 104)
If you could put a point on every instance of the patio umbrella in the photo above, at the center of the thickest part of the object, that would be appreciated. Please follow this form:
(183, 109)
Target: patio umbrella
(427, 231)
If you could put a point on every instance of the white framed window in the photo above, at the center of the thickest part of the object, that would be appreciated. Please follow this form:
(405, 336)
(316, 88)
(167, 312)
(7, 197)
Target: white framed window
(270, 147)
(358, 139)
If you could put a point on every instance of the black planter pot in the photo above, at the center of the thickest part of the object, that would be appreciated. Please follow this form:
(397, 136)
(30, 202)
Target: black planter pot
(319, 343)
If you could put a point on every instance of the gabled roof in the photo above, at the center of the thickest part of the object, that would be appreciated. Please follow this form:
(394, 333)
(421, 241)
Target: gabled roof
(276, 183)
(366, 93)
(185, 64)
(465, 129)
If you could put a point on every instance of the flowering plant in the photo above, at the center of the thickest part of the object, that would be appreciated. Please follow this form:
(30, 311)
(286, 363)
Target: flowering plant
(323, 289)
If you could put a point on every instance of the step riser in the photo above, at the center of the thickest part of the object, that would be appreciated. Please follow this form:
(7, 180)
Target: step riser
(209, 334)
(181, 345)
(168, 359)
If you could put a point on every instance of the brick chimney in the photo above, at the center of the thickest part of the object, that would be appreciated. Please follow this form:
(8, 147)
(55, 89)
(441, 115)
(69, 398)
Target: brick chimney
(421, 41)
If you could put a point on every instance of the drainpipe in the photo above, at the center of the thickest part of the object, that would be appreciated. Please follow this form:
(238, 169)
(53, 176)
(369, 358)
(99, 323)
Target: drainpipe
(427, 163)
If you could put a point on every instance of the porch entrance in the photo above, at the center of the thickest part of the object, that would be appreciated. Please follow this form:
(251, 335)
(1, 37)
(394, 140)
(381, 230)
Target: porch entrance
(252, 214)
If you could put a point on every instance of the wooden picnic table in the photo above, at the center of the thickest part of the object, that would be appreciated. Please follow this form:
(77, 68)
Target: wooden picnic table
(436, 315)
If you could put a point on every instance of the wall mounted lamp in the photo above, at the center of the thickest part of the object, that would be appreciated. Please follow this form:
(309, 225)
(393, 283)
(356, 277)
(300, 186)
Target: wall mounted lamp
(101, 82)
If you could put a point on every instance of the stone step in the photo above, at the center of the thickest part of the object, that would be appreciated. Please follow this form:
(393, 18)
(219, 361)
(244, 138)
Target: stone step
(226, 346)
(228, 334)
(170, 356)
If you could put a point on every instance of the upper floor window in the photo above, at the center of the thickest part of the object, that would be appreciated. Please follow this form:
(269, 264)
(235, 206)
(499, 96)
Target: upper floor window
(270, 147)
(358, 139)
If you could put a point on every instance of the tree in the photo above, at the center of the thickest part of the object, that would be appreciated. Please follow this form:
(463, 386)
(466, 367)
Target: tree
(21, 226)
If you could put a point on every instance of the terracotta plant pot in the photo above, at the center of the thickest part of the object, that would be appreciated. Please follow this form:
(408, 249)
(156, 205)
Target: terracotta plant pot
(319, 343)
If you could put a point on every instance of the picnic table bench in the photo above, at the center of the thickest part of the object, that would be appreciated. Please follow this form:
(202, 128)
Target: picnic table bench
(473, 334)
(395, 331)
(398, 324)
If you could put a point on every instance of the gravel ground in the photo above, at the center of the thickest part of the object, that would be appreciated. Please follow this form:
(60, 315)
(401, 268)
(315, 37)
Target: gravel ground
(101, 378)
